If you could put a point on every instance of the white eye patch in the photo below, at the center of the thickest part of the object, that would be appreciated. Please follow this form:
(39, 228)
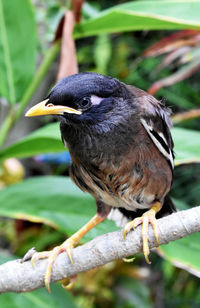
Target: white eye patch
(96, 100)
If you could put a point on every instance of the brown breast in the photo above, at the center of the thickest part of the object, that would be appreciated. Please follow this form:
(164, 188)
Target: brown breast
(134, 181)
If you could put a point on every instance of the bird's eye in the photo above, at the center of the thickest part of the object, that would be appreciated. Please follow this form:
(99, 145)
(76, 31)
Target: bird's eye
(85, 102)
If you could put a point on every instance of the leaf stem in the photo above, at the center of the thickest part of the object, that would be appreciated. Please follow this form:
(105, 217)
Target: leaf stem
(187, 115)
(12, 117)
(44, 67)
(7, 56)
(6, 126)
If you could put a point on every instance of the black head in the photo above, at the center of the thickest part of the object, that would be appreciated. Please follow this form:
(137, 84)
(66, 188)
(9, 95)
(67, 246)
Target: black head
(85, 97)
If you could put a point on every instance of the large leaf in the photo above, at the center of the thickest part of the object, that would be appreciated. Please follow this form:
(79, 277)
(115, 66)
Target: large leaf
(184, 253)
(143, 15)
(187, 144)
(17, 48)
(52, 200)
(132, 293)
(44, 140)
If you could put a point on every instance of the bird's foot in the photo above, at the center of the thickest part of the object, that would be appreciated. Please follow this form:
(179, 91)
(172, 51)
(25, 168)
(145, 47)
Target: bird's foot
(67, 246)
(51, 255)
(145, 219)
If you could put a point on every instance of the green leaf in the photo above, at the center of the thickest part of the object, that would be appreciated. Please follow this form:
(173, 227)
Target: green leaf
(44, 140)
(102, 53)
(143, 15)
(184, 253)
(59, 298)
(5, 256)
(53, 200)
(132, 293)
(187, 144)
(17, 48)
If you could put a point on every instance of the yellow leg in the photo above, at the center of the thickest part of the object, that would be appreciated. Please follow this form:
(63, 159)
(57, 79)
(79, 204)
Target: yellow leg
(67, 246)
(145, 219)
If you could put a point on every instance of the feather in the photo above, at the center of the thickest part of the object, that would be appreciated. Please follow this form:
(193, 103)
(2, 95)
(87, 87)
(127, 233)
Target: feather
(160, 142)
(155, 118)
(121, 215)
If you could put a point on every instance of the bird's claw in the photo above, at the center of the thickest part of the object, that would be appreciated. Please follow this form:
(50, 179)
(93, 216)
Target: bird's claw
(39, 255)
(145, 219)
(131, 225)
(68, 283)
(67, 246)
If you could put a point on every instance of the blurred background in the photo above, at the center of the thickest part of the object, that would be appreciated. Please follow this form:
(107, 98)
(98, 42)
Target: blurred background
(154, 45)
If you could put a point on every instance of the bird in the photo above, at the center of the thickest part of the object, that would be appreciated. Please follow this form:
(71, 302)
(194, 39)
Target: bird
(121, 152)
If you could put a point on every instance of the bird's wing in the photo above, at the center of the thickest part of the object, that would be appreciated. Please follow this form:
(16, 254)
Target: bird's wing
(155, 118)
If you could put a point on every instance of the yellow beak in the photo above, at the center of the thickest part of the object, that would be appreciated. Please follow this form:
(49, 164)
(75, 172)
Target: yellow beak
(44, 108)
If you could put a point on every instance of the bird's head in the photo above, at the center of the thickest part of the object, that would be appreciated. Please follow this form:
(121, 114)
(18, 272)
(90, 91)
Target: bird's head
(85, 97)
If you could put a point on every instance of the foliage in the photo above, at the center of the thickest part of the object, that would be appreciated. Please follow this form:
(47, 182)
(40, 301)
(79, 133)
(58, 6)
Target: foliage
(15, 77)
(182, 49)
(115, 53)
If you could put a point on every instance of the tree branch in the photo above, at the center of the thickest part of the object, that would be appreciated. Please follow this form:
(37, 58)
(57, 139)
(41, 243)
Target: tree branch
(22, 277)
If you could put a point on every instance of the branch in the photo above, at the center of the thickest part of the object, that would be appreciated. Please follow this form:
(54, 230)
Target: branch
(22, 277)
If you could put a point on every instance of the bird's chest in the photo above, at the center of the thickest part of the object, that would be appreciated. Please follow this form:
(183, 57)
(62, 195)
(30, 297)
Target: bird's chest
(91, 179)
(112, 186)
(107, 169)
(101, 143)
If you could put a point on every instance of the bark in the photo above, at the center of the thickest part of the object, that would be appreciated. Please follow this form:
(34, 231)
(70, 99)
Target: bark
(22, 277)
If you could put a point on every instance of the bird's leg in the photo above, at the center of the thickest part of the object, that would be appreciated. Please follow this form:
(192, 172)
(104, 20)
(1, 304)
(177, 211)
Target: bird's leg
(69, 244)
(145, 219)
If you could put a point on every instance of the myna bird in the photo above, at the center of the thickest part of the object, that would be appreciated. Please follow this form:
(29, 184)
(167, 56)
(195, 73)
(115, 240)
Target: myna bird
(121, 150)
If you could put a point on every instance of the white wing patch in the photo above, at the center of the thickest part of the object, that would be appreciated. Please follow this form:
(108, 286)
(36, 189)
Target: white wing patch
(157, 142)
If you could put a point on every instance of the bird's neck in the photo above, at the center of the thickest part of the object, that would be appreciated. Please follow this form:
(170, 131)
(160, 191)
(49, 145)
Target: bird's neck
(97, 143)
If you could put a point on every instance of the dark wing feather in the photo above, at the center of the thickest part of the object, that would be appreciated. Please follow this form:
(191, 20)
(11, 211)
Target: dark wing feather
(155, 118)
